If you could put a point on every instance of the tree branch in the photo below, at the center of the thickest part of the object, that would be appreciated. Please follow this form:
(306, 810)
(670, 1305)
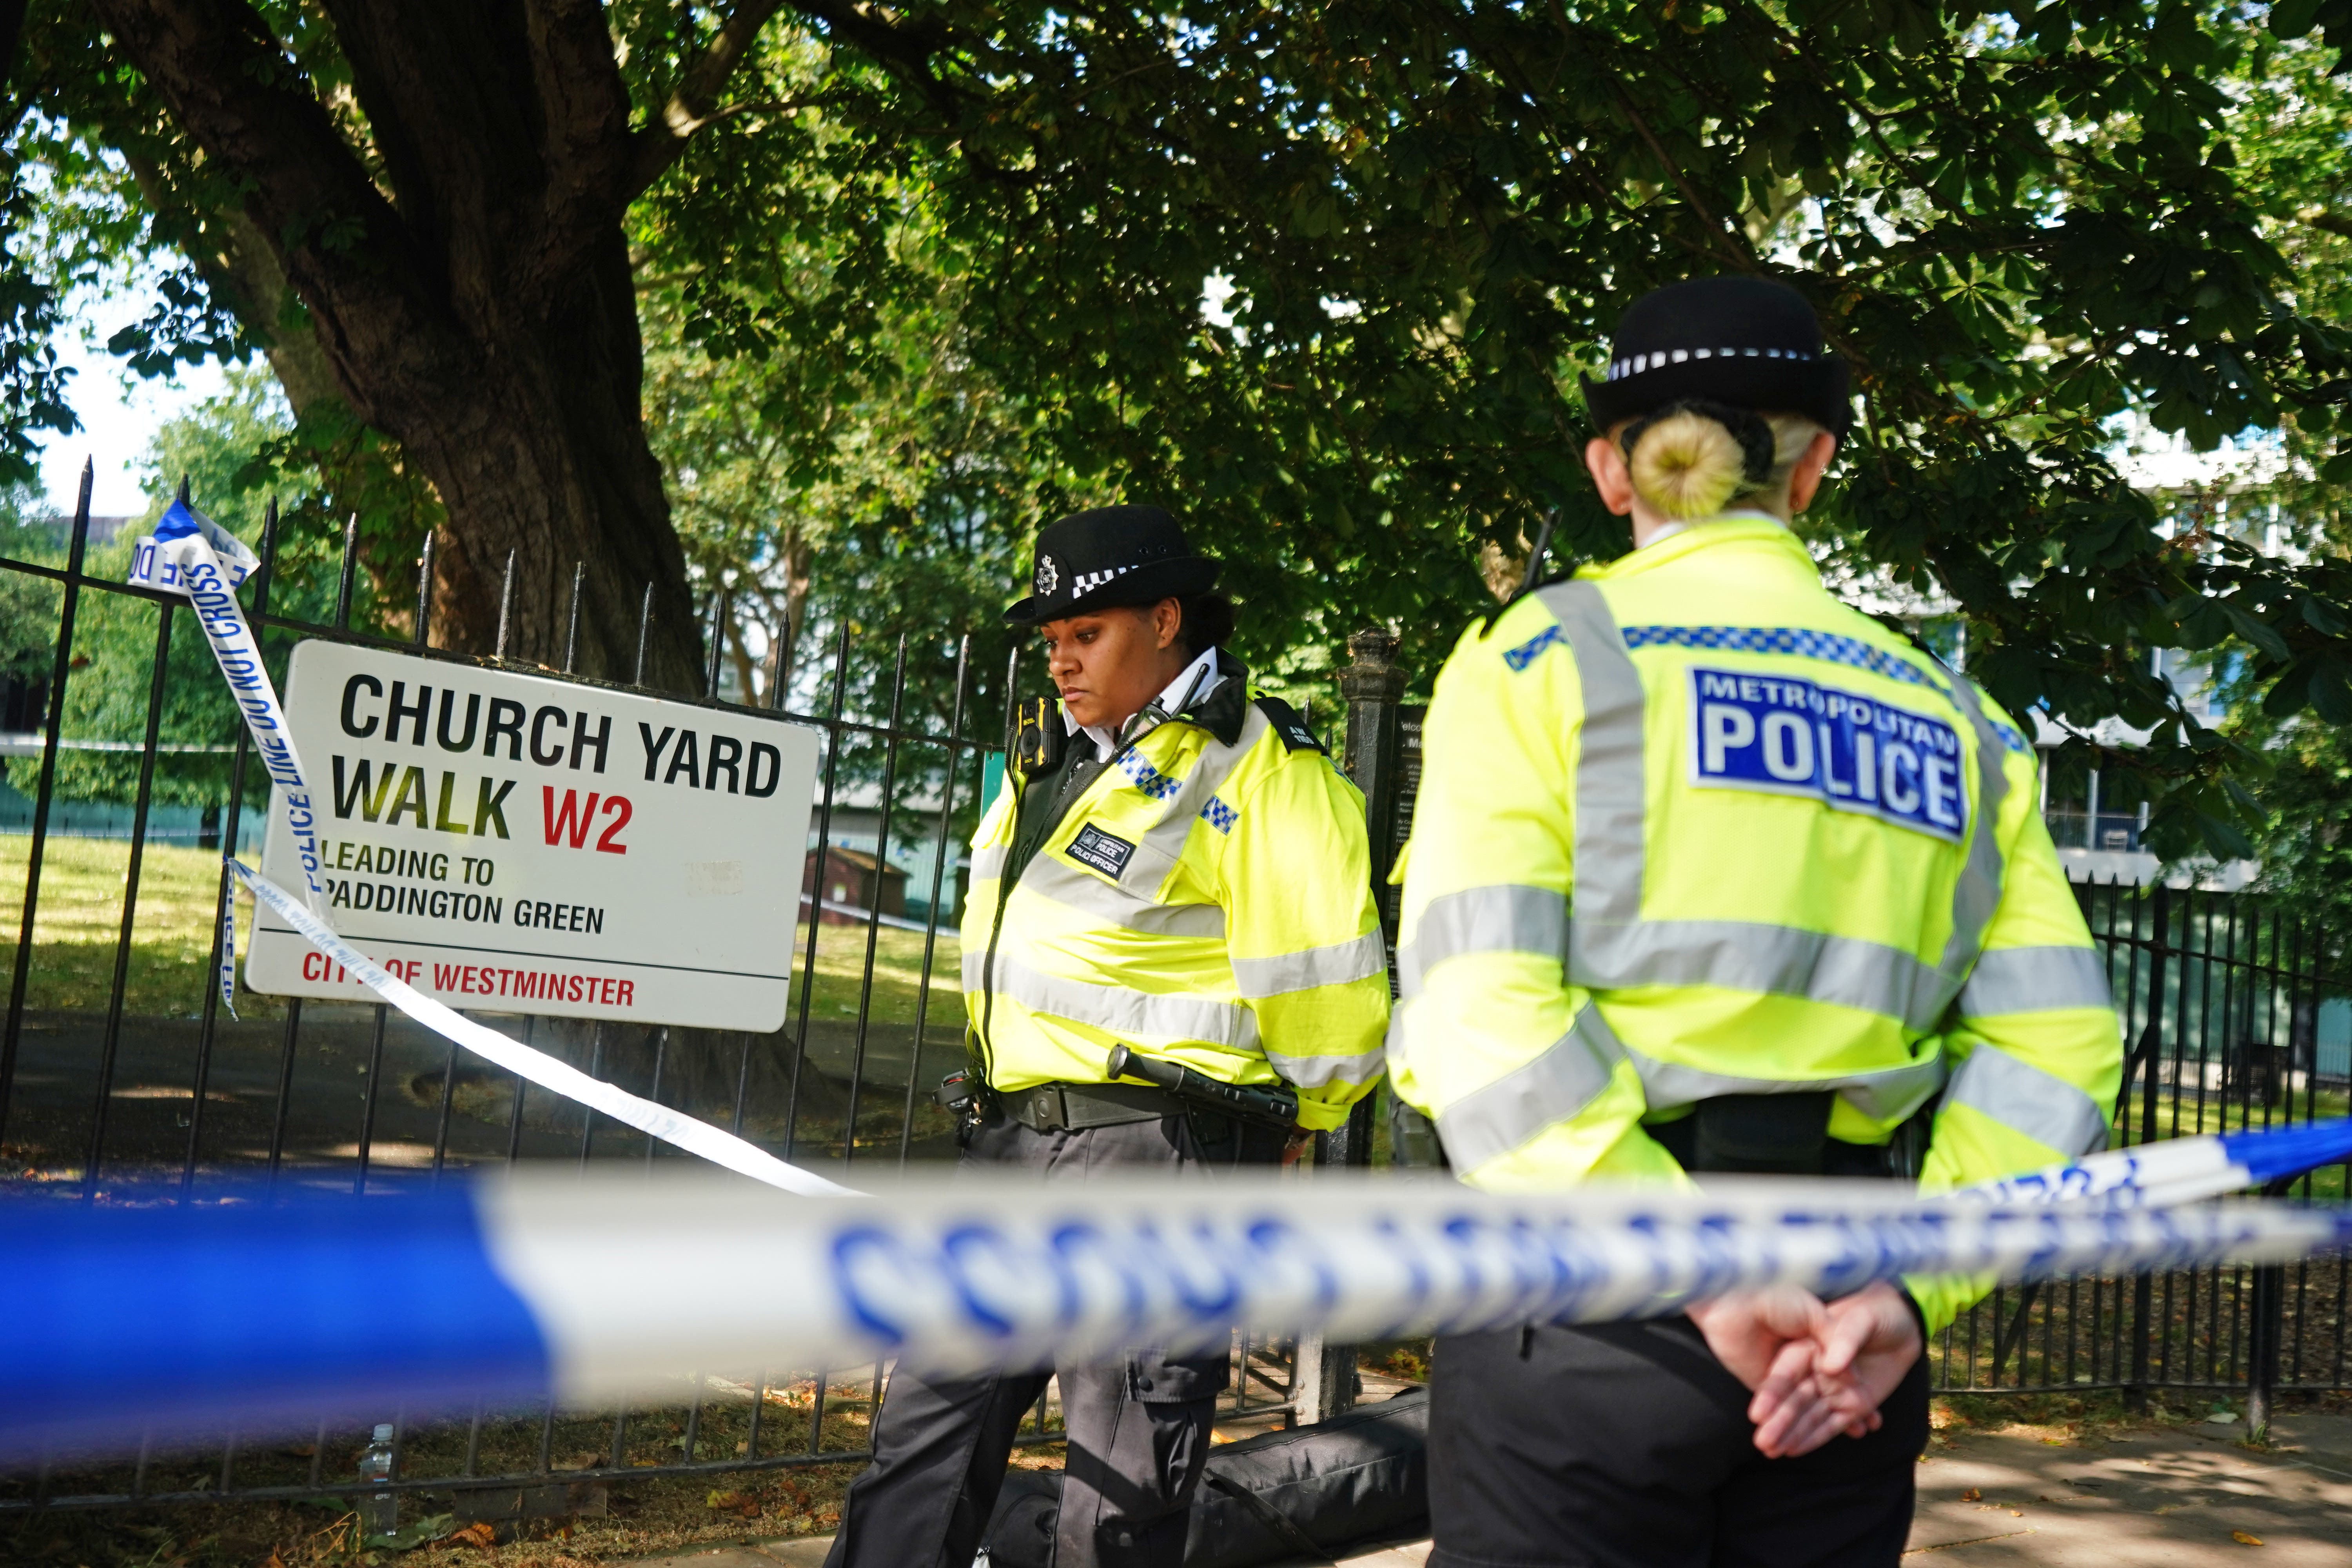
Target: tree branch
(695, 101)
(231, 89)
(12, 28)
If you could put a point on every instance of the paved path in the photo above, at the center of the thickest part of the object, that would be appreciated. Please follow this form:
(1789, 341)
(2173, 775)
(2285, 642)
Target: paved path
(2144, 1499)
(2169, 1498)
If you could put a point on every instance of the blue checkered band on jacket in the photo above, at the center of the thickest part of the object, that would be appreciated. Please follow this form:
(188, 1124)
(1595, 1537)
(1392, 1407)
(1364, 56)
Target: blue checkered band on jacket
(1220, 816)
(1801, 641)
(2009, 737)
(1148, 779)
(1519, 657)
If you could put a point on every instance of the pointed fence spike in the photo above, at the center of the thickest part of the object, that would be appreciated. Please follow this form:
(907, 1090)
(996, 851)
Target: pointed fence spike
(506, 605)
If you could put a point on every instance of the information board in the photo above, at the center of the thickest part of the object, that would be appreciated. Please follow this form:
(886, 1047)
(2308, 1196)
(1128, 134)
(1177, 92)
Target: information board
(514, 843)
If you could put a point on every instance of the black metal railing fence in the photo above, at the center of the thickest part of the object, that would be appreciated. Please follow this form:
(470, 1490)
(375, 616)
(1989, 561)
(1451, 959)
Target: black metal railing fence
(2222, 1000)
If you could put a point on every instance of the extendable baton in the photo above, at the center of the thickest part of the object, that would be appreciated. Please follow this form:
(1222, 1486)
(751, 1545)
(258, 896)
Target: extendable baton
(1270, 1106)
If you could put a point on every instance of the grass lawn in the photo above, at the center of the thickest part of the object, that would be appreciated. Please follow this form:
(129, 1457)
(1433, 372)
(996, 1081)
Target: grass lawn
(898, 976)
(80, 924)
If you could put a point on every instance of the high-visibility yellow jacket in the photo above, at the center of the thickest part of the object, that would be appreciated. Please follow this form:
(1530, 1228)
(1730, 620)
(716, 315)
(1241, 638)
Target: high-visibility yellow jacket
(1689, 826)
(1207, 899)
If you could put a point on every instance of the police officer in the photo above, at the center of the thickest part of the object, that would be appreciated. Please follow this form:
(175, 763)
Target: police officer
(1176, 867)
(1711, 872)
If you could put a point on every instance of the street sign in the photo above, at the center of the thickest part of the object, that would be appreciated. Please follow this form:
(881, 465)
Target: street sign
(512, 843)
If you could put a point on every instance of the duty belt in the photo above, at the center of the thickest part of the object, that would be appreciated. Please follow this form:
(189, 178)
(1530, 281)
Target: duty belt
(1071, 1107)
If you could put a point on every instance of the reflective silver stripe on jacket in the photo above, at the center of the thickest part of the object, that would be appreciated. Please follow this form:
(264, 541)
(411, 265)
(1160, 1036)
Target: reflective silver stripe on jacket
(2035, 980)
(1140, 1018)
(1750, 956)
(2024, 1099)
(1508, 918)
(1314, 1072)
(1889, 1094)
(1051, 877)
(1977, 894)
(1738, 955)
(1359, 958)
(1490, 1122)
(989, 862)
(1611, 799)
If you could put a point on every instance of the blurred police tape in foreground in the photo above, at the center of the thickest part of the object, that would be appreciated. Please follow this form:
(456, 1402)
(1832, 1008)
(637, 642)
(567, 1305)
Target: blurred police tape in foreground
(2180, 1170)
(129, 1325)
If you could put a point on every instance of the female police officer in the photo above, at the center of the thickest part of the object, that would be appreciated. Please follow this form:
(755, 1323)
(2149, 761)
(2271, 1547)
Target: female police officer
(1175, 868)
(1711, 872)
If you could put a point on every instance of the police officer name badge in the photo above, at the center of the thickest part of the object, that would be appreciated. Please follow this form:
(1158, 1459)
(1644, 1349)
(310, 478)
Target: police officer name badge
(1783, 735)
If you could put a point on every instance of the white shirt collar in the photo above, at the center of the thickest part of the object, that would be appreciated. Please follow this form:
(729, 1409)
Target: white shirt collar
(1674, 528)
(1172, 695)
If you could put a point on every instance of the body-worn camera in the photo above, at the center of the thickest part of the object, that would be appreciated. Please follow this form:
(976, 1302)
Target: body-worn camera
(1037, 737)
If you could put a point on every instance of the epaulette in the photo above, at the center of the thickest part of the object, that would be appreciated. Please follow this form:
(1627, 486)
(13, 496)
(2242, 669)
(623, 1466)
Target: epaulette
(1287, 724)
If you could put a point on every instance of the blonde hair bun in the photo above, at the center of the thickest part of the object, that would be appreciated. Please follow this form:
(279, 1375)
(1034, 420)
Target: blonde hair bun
(1687, 467)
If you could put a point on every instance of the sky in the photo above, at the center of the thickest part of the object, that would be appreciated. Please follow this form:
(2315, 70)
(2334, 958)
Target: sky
(118, 420)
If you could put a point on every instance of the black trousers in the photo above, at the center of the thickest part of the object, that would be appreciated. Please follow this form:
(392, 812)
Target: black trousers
(1629, 1443)
(1139, 1427)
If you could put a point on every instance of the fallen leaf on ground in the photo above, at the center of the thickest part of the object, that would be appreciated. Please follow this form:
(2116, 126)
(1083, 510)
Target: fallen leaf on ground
(2243, 1539)
(478, 1533)
(1974, 1494)
(743, 1503)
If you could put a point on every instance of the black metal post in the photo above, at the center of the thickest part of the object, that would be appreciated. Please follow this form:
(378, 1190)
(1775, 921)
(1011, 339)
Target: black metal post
(1323, 1382)
(2264, 1334)
(45, 793)
(2144, 1283)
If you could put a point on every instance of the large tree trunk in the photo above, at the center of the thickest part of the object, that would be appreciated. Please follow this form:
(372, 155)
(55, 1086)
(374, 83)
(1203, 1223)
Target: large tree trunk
(476, 304)
(542, 453)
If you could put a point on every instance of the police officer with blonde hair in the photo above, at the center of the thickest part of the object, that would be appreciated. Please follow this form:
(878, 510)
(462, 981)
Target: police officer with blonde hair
(1171, 963)
(1711, 872)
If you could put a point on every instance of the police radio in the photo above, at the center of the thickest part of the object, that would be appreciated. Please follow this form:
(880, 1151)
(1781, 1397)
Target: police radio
(1037, 734)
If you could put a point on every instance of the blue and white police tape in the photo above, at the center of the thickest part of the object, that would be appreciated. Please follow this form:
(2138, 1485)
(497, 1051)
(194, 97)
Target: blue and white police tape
(152, 566)
(2181, 1169)
(164, 1322)
(675, 1127)
(189, 547)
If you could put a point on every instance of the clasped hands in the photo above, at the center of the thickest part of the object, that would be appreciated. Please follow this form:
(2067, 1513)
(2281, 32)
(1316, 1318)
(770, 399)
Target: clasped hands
(1817, 1369)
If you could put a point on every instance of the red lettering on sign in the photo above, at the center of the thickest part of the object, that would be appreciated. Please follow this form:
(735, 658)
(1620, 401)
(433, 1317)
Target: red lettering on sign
(604, 843)
(570, 820)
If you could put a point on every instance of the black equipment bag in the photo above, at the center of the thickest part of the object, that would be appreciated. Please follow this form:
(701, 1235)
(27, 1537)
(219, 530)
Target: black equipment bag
(1309, 1493)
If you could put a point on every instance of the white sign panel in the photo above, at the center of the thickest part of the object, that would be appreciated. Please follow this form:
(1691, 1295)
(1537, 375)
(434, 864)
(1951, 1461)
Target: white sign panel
(516, 844)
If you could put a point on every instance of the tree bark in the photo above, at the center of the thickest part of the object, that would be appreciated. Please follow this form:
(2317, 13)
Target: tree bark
(476, 305)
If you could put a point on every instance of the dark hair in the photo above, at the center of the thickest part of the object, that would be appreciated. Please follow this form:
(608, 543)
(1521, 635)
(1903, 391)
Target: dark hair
(1208, 622)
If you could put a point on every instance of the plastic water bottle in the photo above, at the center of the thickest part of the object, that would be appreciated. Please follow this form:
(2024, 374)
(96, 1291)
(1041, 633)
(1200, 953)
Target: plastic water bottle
(379, 1511)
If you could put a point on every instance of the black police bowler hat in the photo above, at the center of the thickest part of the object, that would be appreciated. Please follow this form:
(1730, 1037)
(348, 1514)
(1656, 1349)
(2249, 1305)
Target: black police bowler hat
(1746, 341)
(1112, 555)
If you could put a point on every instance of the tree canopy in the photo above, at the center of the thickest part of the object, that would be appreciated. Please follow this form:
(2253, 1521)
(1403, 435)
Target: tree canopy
(992, 226)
